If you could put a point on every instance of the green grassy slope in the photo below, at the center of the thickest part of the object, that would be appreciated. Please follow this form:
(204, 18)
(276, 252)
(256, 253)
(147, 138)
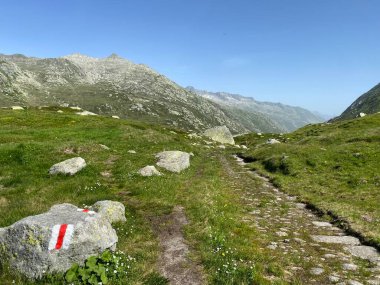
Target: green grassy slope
(368, 103)
(332, 166)
(33, 140)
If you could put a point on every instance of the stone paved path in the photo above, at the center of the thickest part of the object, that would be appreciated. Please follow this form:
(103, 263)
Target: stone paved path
(317, 252)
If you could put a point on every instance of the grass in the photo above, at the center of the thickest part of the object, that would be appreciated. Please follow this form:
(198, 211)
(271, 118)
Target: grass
(334, 167)
(33, 140)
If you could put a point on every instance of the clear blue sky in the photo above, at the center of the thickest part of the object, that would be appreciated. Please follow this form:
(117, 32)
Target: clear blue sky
(318, 54)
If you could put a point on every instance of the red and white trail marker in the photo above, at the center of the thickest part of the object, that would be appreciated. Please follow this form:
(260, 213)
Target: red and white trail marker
(86, 211)
(61, 236)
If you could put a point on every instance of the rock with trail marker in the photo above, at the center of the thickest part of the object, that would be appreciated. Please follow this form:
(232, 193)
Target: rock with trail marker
(68, 167)
(53, 241)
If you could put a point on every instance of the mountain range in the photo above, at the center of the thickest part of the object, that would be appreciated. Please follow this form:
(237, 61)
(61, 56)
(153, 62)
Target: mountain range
(116, 86)
(256, 115)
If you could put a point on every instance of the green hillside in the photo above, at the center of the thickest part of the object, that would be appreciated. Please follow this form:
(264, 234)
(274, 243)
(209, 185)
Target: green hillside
(219, 197)
(33, 140)
(334, 167)
(368, 103)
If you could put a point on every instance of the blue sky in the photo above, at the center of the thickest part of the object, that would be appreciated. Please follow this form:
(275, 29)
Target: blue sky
(318, 54)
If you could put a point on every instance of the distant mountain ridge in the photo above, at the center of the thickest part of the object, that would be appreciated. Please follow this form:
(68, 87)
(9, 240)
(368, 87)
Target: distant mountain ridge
(273, 117)
(110, 86)
(116, 86)
(368, 103)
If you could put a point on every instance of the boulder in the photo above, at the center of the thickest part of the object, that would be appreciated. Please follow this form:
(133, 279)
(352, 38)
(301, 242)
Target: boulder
(149, 171)
(174, 161)
(69, 166)
(53, 241)
(111, 210)
(272, 141)
(220, 134)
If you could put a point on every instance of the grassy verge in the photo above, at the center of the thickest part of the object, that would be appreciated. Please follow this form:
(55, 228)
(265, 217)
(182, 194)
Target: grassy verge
(33, 140)
(332, 166)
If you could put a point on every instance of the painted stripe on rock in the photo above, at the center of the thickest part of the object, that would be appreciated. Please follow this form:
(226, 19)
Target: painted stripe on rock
(61, 236)
(86, 211)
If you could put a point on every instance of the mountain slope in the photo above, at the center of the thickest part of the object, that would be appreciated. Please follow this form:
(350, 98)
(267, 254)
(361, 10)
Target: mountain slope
(264, 116)
(368, 103)
(112, 86)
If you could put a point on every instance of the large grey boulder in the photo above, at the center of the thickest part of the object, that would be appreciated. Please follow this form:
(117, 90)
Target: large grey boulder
(174, 161)
(149, 170)
(69, 166)
(51, 242)
(111, 210)
(220, 134)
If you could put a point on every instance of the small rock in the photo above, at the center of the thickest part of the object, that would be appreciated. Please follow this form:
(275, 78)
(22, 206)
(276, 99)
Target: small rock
(131, 151)
(362, 114)
(104, 147)
(174, 161)
(69, 166)
(333, 278)
(222, 146)
(300, 205)
(353, 282)
(17, 108)
(273, 245)
(317, 271)
(86, 113)
(59, 111)
(367, 218)
(149, 171)
(115, 117)
(244, 147)
(329, 255)
(336, 239)
(349, 266)
(76, 108)
(272, 141)
(299, 240)
(281, 234)
(321, 224)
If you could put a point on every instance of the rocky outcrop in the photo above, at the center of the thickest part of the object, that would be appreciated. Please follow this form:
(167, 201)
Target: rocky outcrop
(174, 161)
(51, 242)
(68, 167)
(220, 134)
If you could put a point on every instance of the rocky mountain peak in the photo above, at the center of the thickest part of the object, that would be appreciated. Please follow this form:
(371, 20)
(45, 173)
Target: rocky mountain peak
(114, 56)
